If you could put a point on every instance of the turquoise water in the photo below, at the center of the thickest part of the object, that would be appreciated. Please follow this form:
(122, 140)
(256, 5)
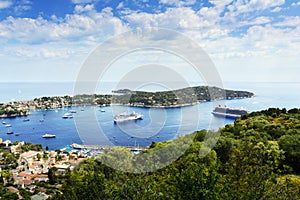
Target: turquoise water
(91, 126)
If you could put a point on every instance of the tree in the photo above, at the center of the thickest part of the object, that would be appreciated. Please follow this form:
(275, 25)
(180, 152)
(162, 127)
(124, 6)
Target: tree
(290, 144)
(250, 171)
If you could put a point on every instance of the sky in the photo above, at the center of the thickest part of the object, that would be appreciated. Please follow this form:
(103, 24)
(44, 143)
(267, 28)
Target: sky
(247, 40)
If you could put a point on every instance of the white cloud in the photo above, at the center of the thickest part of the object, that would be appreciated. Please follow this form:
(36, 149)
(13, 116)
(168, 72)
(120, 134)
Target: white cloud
(229, 31)
(220, 3)
(86, 8)
(5, 4)
(296, 3)
(120, 5)
(173, 18)
(277, 9)
(22, 5)
(178, 3)
(242, 6)
(289, 21)
(81, 1)
(43, 52)
(256, 21)
(93, 27)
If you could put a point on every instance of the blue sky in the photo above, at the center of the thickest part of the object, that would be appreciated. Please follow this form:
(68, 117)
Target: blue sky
(248, 40)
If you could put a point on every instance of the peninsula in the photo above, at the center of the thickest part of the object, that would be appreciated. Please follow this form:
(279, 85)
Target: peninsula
(175, 98)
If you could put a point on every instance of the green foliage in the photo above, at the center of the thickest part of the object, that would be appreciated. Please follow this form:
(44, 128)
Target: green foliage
(5, 194)
(31, 147)
(291, 145)
(188, 95)
(251, 160)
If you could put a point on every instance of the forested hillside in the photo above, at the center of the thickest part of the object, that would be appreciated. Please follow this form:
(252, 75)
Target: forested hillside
(257, 157)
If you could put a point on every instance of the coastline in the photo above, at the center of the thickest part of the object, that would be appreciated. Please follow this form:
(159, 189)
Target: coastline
(167, 99)
(25, 113)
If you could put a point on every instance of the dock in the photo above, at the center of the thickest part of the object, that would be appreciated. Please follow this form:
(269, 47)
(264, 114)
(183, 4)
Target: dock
(105, 147)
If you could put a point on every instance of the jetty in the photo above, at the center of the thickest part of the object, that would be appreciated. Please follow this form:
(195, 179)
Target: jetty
(106, 147)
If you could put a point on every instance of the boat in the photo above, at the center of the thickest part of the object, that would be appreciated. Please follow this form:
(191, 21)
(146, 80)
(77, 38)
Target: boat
(102, 110)
(224, 111)
(26, 120)
(3, 122)
(49, 136)
(76, 146)
(17, 134)
(72, 111)
(127, 117)
(8, 125)
(9, 132)
(67, 115)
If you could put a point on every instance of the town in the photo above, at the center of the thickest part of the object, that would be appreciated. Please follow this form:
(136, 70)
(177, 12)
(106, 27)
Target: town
(30, 172)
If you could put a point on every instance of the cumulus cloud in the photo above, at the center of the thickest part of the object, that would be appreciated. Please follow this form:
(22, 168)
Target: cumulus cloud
(86, 8)
(5, 4)
(296, 3)
(174, 18)
(242, 6)
(93, 27)
(289, 21)
(226, 29)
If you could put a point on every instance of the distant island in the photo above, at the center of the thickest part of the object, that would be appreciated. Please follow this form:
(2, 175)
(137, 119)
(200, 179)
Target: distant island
(167, 99)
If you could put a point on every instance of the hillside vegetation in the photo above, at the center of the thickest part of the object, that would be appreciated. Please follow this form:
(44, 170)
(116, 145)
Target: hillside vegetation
(257, 157)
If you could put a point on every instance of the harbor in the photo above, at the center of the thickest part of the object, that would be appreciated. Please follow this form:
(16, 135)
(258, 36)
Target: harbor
(104, 147)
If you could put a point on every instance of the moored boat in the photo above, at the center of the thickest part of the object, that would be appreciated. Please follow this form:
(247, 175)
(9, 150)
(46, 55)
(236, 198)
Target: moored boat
(67, 115)
(49, 136)
(127, 117)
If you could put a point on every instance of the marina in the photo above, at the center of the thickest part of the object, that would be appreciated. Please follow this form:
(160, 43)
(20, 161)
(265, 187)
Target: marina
(81, 129)
(103, 147)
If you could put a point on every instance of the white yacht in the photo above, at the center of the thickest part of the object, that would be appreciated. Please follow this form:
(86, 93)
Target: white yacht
(127, 117)
(49, 136)
(67, 115)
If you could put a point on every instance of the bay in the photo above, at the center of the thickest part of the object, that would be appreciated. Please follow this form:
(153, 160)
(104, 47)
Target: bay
(90, 126)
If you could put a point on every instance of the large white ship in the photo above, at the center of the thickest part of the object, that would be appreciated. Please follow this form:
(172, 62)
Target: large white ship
(224, 111)
(127, 117)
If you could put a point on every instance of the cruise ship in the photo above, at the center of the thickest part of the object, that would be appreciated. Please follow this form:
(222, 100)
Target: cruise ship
(127, 117)
(224, 111)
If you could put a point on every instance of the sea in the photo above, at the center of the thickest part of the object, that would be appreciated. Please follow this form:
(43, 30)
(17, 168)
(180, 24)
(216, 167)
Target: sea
(94, 125)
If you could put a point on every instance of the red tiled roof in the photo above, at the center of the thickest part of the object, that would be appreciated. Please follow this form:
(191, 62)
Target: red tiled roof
(13, 189)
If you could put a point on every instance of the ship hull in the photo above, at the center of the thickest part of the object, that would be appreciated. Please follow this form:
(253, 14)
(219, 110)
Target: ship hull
(127, 118)
(227, 115)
